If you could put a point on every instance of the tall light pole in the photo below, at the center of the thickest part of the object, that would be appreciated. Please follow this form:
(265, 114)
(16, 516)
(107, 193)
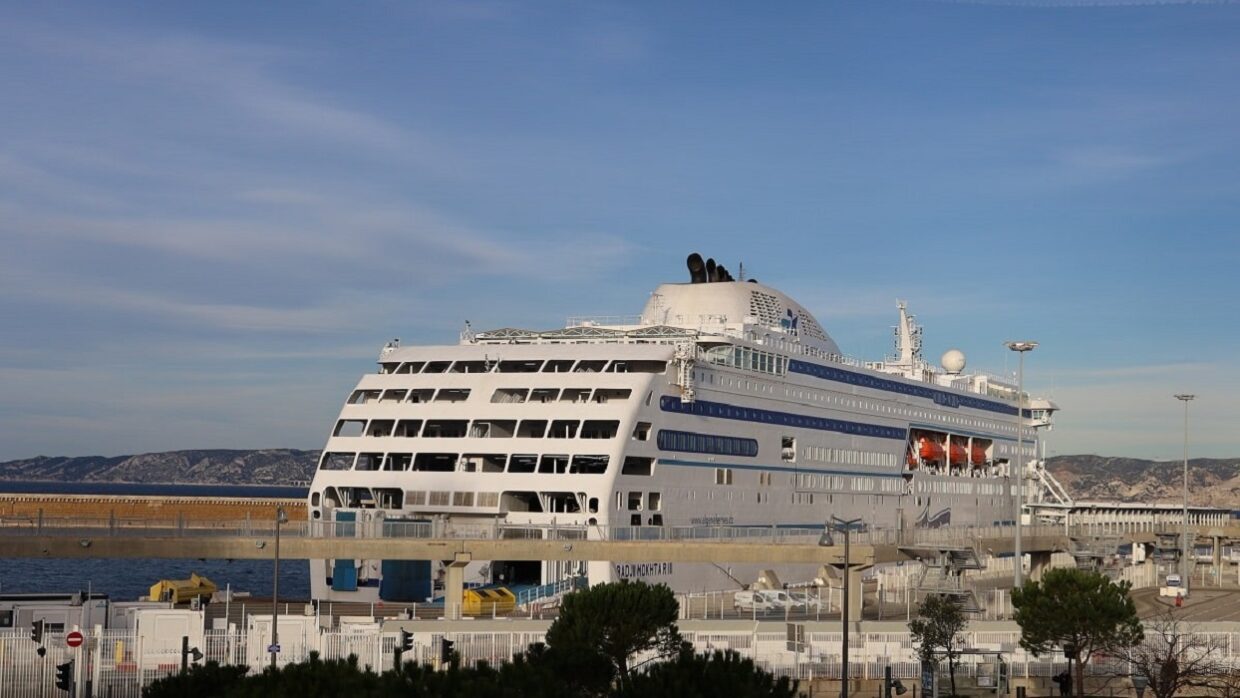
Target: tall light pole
(1020, 348)
(281, 517)
(845, 526)
(1185, 398)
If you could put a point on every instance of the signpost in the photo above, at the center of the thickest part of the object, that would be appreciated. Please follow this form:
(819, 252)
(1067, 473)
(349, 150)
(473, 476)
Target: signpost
(74, 639)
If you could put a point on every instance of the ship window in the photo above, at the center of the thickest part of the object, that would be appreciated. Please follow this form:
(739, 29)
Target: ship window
(647, 366)
(605, 395)
(600, 429)
(562, 502)
(635, 501)
(452, 395)
(589, 366)
(411, 367)
(368, 461)
(635, 520)
(788, 449)
(337, 461)
(553, 465)
(469, 367)
(641, 432)
(521, 501)
(389, 498)
(415, 498)
(636, 465)
(618, 367)
(389, 366)
(593, 505)
(436, 366)
(445, 428)
(544, 394)
(493, 428)
(462, 499)
(439, 498)
(421, 395)
(532, 428)
(563, 429)
(363, 397)
(488, 499)
(575, 395)
(522, 463)
(656, 501)
(509, 395)
(483, 462)
(397, 461)
(350, 427)
(393, 396)
(558, 366)
(589, 465)
(435, 462)
(380, 427)
(408, 428)
(530, 366)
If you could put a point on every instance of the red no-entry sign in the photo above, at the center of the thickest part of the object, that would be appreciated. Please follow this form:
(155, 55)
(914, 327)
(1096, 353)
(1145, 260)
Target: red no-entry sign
(74, 639)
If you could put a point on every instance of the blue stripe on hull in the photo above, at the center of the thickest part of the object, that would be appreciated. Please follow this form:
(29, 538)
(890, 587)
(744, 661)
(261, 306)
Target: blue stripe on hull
(705, 408)
(940, 397)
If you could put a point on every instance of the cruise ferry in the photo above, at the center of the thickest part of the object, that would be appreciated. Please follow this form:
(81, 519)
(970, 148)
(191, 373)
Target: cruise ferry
(725, 405)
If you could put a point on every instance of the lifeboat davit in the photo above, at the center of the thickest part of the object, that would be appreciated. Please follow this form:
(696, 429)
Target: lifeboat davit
(929, 449)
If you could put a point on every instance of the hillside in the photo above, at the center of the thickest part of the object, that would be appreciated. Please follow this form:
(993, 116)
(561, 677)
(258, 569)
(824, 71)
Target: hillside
(1211, 481)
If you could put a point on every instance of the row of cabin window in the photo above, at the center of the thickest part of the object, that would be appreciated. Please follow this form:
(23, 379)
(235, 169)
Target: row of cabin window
(689, 442)
(748, 359)
(480, 428)
(500, 396)
(524, 366)
(555, 464)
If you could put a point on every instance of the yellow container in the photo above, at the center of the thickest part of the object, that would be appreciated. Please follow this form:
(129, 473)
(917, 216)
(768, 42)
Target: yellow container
(486, 602)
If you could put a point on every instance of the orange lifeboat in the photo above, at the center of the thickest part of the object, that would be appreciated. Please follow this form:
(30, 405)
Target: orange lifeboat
(978, 455)
(958, 454)
(929, 449)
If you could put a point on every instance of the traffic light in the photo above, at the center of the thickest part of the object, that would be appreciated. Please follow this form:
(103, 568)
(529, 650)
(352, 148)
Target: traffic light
(64, 676)
(36, 632)
(406, 641)
(445, 649)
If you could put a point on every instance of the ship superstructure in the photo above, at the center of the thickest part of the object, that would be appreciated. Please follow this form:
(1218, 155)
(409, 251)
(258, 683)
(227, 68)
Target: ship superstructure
(725, 404)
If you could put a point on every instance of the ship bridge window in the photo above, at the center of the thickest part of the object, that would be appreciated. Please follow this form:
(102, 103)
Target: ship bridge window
(530, 366)
(605, 395)
(589, 366)
(522, 463)
(333, 460)
(544, 394)
(368, 461)
(350, 427)
(397, 462)
(641, 431)
(389, 366)
(445, 428)
(380, 427)
(393, 396)
(435, 462)
(521, 501)
(600, 429)
(558, 366)
(363, 397)
(452, 395)
(563, 429)
(469, 367)
(532, 428)
(493, 428)
(575, 395)
(407, 428)
(509, 395)
(421, 395)
(411, 367)
(637, 465)
(589, 465)
(553, 465)
(483, 462)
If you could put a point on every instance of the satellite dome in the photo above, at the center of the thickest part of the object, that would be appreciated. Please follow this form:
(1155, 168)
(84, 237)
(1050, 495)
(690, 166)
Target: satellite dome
(952, 361)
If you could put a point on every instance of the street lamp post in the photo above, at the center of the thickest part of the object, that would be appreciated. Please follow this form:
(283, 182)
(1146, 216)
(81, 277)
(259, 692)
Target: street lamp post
(1186, 549)
(281, 517)
(845, 527)
(1020, 348)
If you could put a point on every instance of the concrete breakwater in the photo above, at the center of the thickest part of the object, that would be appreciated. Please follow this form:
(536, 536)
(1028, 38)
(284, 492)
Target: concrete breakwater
(15, 508)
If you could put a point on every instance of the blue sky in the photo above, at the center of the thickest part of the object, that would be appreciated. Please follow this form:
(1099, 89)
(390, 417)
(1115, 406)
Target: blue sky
(212, 216)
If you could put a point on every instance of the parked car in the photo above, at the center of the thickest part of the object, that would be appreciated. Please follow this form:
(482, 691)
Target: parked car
(761, 601)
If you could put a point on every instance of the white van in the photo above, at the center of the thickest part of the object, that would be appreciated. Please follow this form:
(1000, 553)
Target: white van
(1173, 587)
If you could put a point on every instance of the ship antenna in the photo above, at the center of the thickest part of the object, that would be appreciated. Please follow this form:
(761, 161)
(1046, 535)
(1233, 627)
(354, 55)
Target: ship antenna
(740, 271)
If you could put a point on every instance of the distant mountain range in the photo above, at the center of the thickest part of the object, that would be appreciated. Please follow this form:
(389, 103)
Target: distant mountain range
(1211, 481)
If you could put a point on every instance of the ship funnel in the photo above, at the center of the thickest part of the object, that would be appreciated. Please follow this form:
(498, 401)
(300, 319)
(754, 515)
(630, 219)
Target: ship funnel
(724, 274)
(697, 269)
(712, 272)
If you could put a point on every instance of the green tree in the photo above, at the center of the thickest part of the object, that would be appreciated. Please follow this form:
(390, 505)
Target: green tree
(708, 676)
(201, 681)
(1080, 608)
(937, 631)
(617, 620)
(1176, 657)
